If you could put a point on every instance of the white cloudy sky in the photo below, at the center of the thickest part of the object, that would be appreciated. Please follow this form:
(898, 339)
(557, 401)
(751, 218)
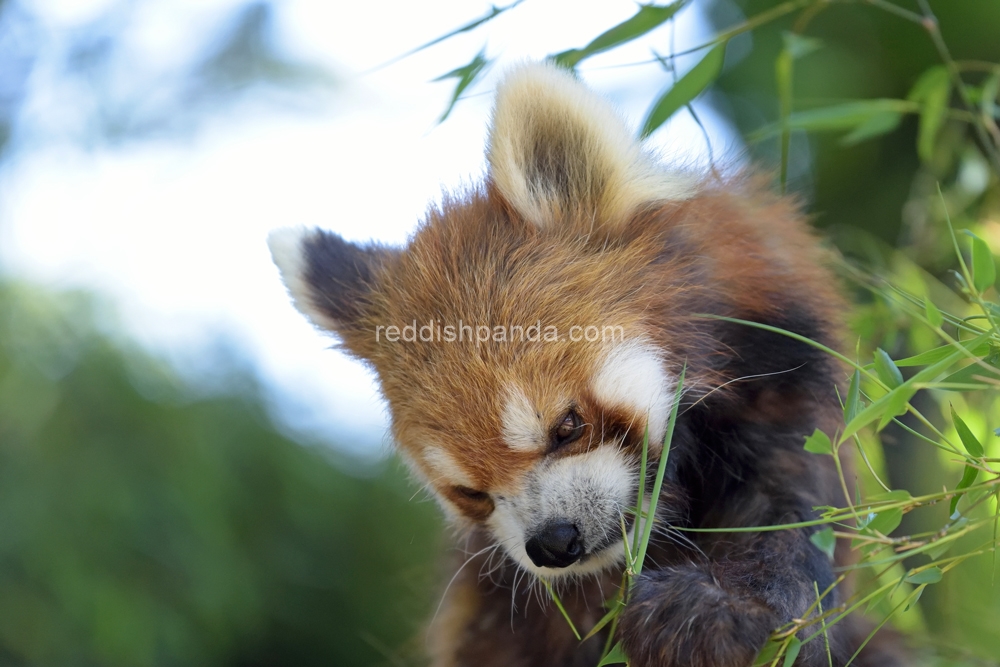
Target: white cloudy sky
(175, 232)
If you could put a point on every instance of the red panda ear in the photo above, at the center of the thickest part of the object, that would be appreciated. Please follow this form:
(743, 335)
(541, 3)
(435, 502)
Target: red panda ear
(557, 150)
(330, 280)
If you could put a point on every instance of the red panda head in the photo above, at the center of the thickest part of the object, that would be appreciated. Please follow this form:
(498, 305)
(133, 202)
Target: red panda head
(523, 337)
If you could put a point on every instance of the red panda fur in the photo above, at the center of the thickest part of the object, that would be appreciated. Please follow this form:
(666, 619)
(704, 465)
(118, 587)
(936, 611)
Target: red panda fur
(574, 226)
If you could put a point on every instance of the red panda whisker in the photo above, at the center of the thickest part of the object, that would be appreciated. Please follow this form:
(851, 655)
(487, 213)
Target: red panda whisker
(741, 379)
(458, 571)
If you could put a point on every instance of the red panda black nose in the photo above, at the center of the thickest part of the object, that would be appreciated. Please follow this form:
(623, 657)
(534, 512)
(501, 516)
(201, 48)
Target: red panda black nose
(556, 544)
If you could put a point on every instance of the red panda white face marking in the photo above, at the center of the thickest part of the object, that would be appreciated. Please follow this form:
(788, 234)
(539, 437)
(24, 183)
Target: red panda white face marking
(523, 429)
(633, 377)
(444, 469)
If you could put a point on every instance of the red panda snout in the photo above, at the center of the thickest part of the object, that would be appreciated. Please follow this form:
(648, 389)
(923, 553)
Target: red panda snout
(567, 518)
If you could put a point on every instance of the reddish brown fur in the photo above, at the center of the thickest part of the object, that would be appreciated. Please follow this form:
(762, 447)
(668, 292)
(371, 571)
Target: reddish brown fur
(475, 261)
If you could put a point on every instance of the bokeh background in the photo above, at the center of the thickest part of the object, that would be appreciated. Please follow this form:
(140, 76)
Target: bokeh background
(188, 474)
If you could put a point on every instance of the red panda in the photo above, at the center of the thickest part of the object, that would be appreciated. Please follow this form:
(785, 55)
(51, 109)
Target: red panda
(532, 333)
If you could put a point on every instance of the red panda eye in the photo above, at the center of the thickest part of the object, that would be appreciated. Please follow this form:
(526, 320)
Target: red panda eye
(472, 494)
(570, 428)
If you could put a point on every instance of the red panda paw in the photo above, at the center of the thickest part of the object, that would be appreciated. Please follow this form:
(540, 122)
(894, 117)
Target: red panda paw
(682, 617)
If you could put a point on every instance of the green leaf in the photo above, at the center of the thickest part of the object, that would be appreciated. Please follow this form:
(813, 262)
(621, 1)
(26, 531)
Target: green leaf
(798, 45)
(984, 270)
(932, 90)
(991, 89)
(940, 549)
(783, 67)
(974, 374)
(896, 495)
(647, 18)
(614, 657)
(886, 522)
(897, 403)
(661, 469)
(916, 598)
(819, 443)
(825, 541)
(972, 444)
(686, 89)
(559, 605)
(465, 75)
(939, 353)
(792, 652)
(968, 479)
(933, 314)
(929, 576)
(898, 397)
(886, 369)
(615, 609)
(472, 25)
(853, 403)
(876, 125)
(846, 116)
(767, 653)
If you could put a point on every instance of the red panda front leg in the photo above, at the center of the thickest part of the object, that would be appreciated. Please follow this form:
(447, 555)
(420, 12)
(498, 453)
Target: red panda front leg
(717, 606)
(720, 613)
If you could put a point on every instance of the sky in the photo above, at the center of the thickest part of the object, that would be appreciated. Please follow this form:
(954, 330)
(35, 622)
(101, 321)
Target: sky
(174, 231)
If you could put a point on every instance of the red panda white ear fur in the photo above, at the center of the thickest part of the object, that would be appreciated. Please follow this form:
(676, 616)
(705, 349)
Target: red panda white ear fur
(557, 149)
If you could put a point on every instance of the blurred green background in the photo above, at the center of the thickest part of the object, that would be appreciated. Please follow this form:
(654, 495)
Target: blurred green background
(147, 518)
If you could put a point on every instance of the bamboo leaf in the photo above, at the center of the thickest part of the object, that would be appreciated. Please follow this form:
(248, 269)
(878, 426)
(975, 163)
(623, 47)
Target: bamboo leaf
(767, 654)
(886, 522)
(846, 116)
(783, 66)
(614, 657)
(974, 374)
(853, 403)
(646, 19)
(932, 91)
(616, 607)
(799, 46)
(969, 440)
(896, 404)
(898, 397)
(991, 89)
(686, 89)
(792, 652)
(984, 270)
(819, 443)
(882, 122)
(929, 576)
(465, 75)
(472, 25)
(968, 479)
(886, 369)
(895, 495)
(933, 314)
(661, 469)
(825, 541)
(560, 607)
(939, 353)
